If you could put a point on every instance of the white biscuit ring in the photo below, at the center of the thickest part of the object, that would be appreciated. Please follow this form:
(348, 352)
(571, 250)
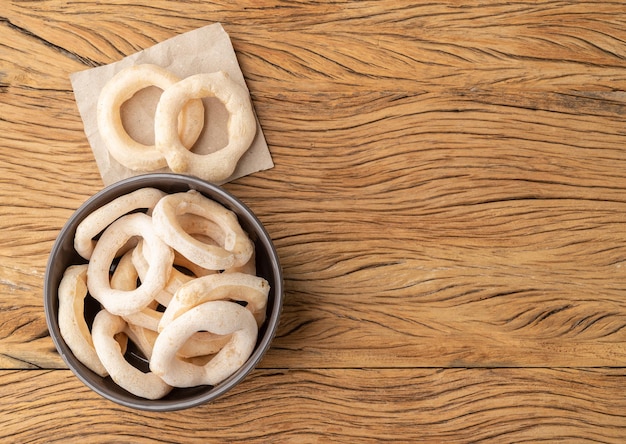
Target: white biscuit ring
(160, 260)
(147, 385)
(237, 247)
(101, 218)
(219, 317)
(238, 287)
(187, 122)
(220, 164)
(74, 330)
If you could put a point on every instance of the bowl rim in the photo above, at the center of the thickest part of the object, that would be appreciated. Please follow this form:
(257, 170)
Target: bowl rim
(131, 184)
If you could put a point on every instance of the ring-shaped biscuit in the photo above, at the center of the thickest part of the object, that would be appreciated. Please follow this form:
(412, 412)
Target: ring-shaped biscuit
(160, 260)
(237, 249)
(220, 164)
(238, 287)
(219, 317)
(147, 385)
(74, 329)
(101, 218)
(188, 120)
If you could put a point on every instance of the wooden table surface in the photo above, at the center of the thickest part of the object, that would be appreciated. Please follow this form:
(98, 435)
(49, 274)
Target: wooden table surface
(448, 202)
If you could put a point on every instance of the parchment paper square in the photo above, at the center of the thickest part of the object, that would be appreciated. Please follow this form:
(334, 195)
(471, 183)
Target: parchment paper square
(207, 49)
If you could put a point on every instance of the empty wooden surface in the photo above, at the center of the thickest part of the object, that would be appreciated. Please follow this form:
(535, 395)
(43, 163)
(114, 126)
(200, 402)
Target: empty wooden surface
(448, 202)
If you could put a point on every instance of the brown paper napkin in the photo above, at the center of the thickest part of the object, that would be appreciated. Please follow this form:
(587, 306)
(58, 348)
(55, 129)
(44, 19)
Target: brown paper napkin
(207, 49)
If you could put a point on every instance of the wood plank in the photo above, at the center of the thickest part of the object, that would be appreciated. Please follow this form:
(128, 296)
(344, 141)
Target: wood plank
(407, 46)
(448, 203)
(494, 222)
(479, 232)
(346, 405)
(490, 235)
(48, 171)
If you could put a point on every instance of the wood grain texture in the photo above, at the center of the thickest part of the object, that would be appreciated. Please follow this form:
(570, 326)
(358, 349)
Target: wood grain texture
(356, 405)
(448, 202)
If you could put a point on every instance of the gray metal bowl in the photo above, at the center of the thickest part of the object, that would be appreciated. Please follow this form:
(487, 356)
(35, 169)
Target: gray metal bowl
(63, 255)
